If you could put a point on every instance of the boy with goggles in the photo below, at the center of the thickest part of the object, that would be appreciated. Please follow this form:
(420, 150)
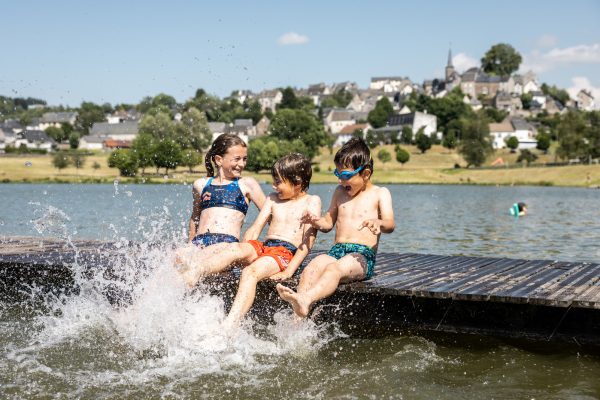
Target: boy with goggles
(360, 211)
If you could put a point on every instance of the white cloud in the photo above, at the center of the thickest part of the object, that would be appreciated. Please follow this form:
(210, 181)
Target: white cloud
(581, 54)
(292, 38)
(581, 82)
(547, 41)
(463, 62)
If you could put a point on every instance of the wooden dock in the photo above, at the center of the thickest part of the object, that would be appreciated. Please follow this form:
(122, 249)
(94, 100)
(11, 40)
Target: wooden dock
(537, 299)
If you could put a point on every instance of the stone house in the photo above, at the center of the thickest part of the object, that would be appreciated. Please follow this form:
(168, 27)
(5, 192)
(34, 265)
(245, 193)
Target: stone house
(269, 99)
(585, 100)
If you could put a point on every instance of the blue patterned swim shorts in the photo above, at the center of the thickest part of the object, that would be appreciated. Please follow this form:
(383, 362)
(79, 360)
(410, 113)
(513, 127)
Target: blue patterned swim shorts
(339, 250)
(208, 239)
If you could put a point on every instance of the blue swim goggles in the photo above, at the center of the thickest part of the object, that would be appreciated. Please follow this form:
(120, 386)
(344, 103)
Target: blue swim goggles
(346, 175)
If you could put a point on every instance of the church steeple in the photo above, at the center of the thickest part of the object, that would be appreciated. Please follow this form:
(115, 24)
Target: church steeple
(449, 67)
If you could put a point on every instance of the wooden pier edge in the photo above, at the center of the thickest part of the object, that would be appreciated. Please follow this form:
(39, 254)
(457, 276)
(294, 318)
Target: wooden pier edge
(542, 300)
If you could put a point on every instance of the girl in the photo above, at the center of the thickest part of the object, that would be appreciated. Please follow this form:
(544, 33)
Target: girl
(220, 201)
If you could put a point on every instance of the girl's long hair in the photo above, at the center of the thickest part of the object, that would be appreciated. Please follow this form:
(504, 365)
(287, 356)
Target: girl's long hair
(218, 148)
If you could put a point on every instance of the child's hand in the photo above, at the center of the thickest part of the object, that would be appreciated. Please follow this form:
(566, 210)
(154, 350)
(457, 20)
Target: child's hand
(374, 226)
(280, 276)
(310, 218)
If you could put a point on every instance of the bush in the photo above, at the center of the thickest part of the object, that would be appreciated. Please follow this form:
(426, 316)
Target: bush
(402, 156)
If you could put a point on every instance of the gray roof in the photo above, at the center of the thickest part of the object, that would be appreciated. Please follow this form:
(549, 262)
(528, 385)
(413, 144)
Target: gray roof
(35, 135)
(216, 127)
(401, 119)
(503, 96)
(106, 129)
(520, 124)
(58, 117)
(10, 124)
(340, 114)
(387, 78)
(94, 139)
(242, 122)
(485, 78)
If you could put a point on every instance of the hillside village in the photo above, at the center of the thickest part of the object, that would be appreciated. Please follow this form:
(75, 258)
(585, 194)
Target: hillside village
(518, 98)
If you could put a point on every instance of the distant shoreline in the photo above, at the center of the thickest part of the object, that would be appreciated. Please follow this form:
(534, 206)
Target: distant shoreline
(436, 167)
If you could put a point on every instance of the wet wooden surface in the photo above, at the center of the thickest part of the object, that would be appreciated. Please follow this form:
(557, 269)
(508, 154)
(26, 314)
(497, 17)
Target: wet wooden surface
(478, 279)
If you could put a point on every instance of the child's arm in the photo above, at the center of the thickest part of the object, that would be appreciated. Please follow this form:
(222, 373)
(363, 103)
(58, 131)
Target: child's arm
(255, 192)
(385, 223)
(195, 218)
(308, 239)
(263, 217)
(327, 221)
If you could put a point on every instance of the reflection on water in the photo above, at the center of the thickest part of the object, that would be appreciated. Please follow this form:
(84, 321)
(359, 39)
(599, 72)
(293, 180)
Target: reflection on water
(169, 343)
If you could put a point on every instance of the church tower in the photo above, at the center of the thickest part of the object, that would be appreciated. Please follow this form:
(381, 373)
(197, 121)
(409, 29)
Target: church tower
(449, 67)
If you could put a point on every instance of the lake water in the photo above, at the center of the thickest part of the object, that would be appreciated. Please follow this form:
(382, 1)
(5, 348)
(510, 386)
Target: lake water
(167, 344)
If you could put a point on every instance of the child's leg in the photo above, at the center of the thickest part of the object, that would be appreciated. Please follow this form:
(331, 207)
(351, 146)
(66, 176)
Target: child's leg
(260, 269)
(351, 267)
(214, 259)
(309, 277)
(313, 271)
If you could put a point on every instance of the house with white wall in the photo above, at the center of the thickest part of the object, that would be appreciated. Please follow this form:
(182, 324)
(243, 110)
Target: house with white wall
(338, 118)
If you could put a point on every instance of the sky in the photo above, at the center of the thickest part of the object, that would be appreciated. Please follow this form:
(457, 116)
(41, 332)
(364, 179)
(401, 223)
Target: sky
(66, 52)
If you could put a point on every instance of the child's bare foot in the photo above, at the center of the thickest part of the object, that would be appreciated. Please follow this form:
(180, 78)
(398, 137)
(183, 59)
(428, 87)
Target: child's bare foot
(298, 302)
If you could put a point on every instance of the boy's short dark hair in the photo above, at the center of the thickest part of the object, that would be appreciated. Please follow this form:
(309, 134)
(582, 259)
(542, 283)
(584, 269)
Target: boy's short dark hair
(355, 153)
(294, 168)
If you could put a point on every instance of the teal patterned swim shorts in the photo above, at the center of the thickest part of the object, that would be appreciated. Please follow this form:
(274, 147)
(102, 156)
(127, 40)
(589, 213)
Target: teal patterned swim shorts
(339, 250)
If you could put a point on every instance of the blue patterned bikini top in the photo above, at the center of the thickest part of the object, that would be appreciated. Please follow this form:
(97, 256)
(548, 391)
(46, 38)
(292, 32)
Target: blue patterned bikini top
(227, 196)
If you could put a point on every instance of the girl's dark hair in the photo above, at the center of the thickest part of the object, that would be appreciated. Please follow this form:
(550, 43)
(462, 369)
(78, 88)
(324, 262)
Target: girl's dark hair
(354, 153)
(294, 168)
(218, 148)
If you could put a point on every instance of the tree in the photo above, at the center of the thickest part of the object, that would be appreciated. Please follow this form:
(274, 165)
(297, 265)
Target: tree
(159, 126)
(422, 141)
(88, 114)
(496, 115)
(143, 147)
(406, 136)
(526, 100)
(60, 160)
(291, 125)
(379, 116)
(288, 99)
(124, 160)
(501, 59)
(512, 143)
(543, 142)
(526, 156)
(167, 155)
(572, 141)
(402, 156)
(56, 133)
(449, 140)
(194, 131)
(190, 158)
(96, 166)
(384, 156)
(74, 140)
(77, 159)
(263, 152)
(475, 145)
(371, 139)
(447, 109)
(557, 94)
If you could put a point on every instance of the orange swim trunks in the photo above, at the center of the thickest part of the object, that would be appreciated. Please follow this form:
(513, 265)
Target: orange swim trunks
(280, 250)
